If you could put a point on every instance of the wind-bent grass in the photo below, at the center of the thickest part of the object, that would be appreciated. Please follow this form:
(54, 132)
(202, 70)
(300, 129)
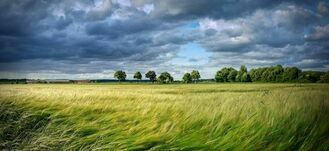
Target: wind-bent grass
(165, 117)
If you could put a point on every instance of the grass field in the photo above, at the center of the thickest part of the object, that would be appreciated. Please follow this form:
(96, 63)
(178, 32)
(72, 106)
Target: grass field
(165, 117)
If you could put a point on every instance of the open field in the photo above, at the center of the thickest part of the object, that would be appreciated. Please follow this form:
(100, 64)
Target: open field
(162, 117)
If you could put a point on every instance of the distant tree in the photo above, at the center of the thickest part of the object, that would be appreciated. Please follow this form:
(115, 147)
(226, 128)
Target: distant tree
(290, 74)
(256, 74)
(138, 75)
(170, 79)
(277, 72)
(310, 76)
(245, 77)
(162, 78)
(195, 75)
(165, 77)
(243, 69)
(151, 75)
(265, 75)
(270, 74)
(253, 74)
(120, 75)
(238, 77)
(325, 78)
(187, 78)
(224, 74)
(219, 76)
(231, 77)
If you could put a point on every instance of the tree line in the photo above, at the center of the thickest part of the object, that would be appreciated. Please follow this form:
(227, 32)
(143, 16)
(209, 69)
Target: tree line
(272, 74)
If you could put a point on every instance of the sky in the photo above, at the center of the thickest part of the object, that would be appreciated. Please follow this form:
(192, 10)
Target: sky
(91, 39)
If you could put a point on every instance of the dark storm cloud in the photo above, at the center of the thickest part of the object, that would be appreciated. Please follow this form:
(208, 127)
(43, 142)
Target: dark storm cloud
(319, 33)
(285, 34)
(18, 18)
(117, 28)
(227, 9)
(44, 29)
(275, 27)
(91, 36)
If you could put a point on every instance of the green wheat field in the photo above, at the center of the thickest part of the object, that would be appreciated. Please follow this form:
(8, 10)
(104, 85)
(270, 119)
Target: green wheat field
(164, 117)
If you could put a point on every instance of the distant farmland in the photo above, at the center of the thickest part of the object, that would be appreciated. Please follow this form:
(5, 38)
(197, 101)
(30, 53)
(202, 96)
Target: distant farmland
(164, 117)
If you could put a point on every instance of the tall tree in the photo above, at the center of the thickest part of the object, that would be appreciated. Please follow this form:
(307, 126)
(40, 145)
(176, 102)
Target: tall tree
(120, 75)
(151, 75)
(277, 73)
(232, 75)
(256, 74)
(245, 77)
(138, 75)
(265, 75)
(310, 76)
(243, 69)
(325, 78)
(187, 78)
(195, 75)
(223, 74)
(219, 76)
(171, 79)
(165, 77)
(290, 74)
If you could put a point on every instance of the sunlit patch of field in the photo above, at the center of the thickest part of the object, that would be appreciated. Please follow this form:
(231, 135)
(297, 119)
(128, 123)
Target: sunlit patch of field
(162, 117)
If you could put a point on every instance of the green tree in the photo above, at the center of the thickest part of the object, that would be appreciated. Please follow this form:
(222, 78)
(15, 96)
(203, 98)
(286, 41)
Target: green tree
(224, 73)
(256, 74)
(165, 77)
(290, 74)
(231, 77)
(219, 76)
(195, 75)
(151, 75)
(162, 78)
(245, 77)
(170, 79)
(120, 75)
(187, 78)
(243, 69)
(138, 75)
(253, 74)
(325, 78)
(265, 75)
(310, 76)
(277, 72)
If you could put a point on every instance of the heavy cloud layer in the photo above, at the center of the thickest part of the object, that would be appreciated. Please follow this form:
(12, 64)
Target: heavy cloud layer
(96, 37)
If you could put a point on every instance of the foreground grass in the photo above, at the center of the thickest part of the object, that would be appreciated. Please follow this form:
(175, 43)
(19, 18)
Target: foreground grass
(165, 117)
